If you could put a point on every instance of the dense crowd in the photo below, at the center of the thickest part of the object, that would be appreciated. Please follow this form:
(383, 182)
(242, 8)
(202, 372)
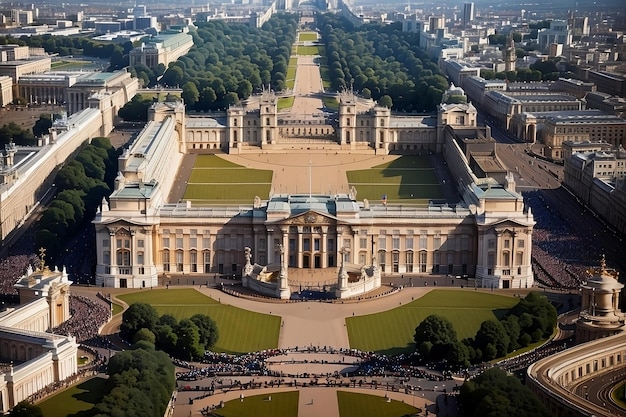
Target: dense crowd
(559, 256)
(87, 316)
(11, 269)
(370, 364)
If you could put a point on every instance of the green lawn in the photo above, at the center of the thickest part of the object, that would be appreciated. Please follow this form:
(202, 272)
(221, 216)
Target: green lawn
(240, 330)
(307, 36)
(618, 395)
(331, 103)
(405, 178)
(310, 50)
(74, 65)
(352, 404)
(216, 180)
(285, 102)
(78, 398)
(282, 404)
(117, 309)
(392, 331)
(290, 77)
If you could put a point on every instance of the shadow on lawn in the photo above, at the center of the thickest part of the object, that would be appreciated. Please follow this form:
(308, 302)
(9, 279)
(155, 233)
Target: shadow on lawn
(93, 391)
(409, 348)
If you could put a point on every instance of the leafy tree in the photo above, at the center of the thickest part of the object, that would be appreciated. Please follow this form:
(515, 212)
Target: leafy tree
(72, 177)
(492, 333)
(138, 316)
(145, 335)
(385, 101)
(190, 94)
(188, 346)
(25, 409)
(173, 77)
(42, 125)
(494, 393)
(136, 110)
(207, 329)
(436, 330)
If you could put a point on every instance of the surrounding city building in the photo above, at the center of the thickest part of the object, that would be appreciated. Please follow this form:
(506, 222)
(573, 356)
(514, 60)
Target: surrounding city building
(598, 179)
(162, 49)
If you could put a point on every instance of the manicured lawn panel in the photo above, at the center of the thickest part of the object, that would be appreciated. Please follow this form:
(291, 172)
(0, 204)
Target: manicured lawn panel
(405, 178)
(391, 176)
(352, 404)
(407, 161)
(78, 398)
(310, 50)
(213, 161)
(215, 180)
(285, 102)
(240, 330)
(243, 193)
(392, 331)
(282, 404)
(397, 193)
(229, 175)
(307, 36)
(330, 103)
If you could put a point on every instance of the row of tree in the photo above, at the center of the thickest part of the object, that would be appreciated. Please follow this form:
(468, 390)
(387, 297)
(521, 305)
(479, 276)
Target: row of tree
(532, 319)
(186, 339)
(76, 45)
(229, 62)
(379, 60)
(81, 185)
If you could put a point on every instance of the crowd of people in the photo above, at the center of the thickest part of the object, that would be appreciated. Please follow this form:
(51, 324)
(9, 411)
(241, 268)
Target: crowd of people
(370, 364)
(560, 257)
(87, 316)
(11, 269)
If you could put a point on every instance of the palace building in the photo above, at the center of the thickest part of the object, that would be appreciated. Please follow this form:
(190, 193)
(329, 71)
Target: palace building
(482, 230)
(31, 358)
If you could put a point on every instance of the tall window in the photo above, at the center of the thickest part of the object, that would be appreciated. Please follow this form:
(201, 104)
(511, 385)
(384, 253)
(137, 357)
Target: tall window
(382, 258)
(193, 260)
(206, 261)
(409, 261)
(395, 261)
(422, 260)
(179, 261)
(166, 260)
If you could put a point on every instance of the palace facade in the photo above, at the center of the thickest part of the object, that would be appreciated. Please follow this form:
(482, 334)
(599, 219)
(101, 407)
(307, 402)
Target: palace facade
(31, 358)
(141, 234)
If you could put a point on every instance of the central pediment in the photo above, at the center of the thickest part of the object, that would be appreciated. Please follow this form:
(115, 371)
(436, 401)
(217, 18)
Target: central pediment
(310, 218)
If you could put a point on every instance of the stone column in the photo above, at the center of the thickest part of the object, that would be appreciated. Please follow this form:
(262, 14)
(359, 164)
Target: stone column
(324, 247)
(299, 249)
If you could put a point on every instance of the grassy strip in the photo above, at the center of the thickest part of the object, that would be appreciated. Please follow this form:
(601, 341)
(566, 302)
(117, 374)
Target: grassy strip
(330, 103)
(226, 192)
(240, 330)
(352, 404)
(307, 37)
(309, 50)
(618, 395)
(278, 404)
(392, 331)
(117, 309)
(285, 103)
(78, 398)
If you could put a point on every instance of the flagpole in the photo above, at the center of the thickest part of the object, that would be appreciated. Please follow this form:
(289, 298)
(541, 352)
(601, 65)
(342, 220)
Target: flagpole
(310, 180)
